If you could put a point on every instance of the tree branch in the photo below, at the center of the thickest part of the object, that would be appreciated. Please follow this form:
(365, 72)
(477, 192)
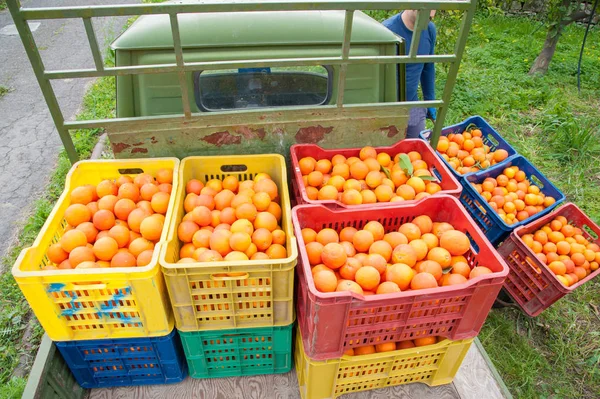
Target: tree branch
(576, 16)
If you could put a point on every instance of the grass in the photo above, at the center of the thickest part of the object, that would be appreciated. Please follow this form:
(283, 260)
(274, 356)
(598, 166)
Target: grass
(557, 354)
(3, 91)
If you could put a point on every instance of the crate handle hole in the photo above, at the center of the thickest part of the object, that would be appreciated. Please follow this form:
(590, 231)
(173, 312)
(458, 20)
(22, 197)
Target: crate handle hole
(536, 180)
(436, 174)
(494, 142)
(233, 168)
(131, 171)
(531, 264)
(229, 276)
(589, 230)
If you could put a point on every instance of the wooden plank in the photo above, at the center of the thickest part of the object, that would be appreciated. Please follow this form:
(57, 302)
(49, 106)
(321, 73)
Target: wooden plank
(278, 386)
(475, 379)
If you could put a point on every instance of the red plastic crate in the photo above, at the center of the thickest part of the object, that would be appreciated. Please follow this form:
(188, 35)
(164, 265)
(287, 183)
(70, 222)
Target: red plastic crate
(450, 185)
(530, 283)
(336, 321)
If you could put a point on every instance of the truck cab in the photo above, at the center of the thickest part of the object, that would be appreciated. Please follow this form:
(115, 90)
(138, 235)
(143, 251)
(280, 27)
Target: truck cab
(268, 36)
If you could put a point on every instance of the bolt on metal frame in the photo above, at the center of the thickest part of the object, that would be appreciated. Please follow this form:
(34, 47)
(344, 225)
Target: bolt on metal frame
(86, 13)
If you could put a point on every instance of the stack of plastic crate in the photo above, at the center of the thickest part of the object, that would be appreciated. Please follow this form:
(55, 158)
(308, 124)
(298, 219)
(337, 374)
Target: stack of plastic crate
(113, 326)
(235, 318)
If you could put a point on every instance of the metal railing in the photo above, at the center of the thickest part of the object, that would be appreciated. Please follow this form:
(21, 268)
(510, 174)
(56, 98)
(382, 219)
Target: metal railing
(86, 13)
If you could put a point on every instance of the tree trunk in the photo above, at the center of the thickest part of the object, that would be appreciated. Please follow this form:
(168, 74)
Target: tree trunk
(542, 62)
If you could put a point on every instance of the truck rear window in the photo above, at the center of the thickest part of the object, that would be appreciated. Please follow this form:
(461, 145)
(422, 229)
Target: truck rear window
(262, 87)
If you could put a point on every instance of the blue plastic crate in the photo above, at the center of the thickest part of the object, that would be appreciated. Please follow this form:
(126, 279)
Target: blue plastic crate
(489, 137)
(126, 361)
(495, 229)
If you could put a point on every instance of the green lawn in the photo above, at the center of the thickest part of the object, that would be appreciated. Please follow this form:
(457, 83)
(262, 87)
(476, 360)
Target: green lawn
(557, 354)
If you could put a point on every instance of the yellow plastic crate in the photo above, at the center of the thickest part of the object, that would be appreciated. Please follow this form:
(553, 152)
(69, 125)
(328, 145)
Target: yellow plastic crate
(262, 295)
(86, 304)
(433, 365)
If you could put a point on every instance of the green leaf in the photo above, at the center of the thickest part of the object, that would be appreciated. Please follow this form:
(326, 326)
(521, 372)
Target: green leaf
(406, 165)
(386, 171)
(428, 178)
(447, 270)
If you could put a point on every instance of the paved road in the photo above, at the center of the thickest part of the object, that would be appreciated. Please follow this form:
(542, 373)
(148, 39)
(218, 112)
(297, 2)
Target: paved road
(29, 143)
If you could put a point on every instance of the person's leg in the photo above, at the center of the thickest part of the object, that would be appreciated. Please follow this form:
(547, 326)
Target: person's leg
(416, 122)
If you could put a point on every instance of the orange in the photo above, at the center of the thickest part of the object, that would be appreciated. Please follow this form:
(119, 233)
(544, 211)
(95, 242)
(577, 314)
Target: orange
(420, 247)
(81, 254)
(187, 250)
(422, 281)
(431, 240)
(395, 238)
(441, 256)
(417, 184)
(105, 248)
(308, 235)
(382, 248)
(56, 254)
(313, 250)
(275, 210)
(333, 255)
(461, 268)
(541, 237)
(364, 350)
(377, 261)
(577, 258)
(386, 347)
(405, 344)
(376, 229)
(262, 238)
(557, 267)
(307, 165)
(145, 258)
(130, 191)
(278, 236)
(219, 241)
(347, 285)
(347, 233)
(76, 214)
(424, 223)
(194, 186)
(430, 267)
(186, 230)
(238, 241)
(265, 220)
(123, 208)
(90, 231)
(246, 211)
(103, 219)
(72, 239)
(368, 197)
(367, 277)
(268, 186)
(425, 341)
(325, 281)
(410, 230)
(367, 152)
(261, 201)
(243, 226)
(209, 256)
(401, 274)
(407, 192)
(456, 242)
(151, 227)
(327, 235)
(441, 227)
(83, 195)
(363, 240)
(404, 253)
(479, 271)
(140, 245)
(359, 170)
(556, 236)
(123, 259)
(348, 270)
(453, 279)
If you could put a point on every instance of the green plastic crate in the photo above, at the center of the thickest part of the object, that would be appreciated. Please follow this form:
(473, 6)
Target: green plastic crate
(50, 377)
(238, 352)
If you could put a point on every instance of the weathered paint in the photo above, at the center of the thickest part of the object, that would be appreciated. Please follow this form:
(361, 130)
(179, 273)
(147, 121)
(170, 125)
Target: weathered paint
(55, 287)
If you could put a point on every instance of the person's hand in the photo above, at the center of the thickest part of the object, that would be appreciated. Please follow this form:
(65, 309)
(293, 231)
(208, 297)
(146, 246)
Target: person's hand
(432, 114)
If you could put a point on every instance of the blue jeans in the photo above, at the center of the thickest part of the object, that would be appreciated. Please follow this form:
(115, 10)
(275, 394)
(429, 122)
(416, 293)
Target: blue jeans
(416, 122)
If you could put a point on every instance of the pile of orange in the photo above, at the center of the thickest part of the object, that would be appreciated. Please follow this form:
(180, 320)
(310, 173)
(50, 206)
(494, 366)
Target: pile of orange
(230, 220)
(113, 224)
(392, 346)
(564, 249)
(369, 178)
(466, 152)
(512, 196)
(420, 254)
